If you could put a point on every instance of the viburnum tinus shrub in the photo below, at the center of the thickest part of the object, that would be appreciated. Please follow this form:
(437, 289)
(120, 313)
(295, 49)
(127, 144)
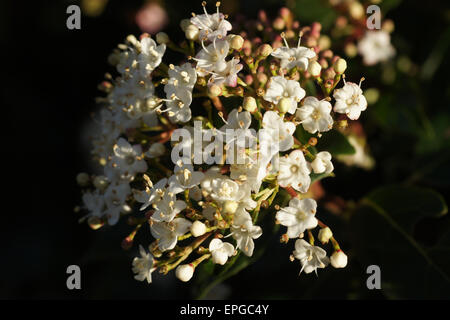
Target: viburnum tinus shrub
(200, 153)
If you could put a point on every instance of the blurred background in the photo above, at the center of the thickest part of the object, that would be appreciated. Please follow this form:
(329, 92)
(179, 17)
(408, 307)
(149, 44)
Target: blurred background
(50, 77)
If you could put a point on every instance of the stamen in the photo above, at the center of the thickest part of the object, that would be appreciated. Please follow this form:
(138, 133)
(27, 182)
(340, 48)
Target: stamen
(361, 80)
(299, 38)
(283, 35)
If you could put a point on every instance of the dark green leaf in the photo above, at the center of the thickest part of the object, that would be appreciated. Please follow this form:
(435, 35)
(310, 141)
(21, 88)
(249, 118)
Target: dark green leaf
(384, 229)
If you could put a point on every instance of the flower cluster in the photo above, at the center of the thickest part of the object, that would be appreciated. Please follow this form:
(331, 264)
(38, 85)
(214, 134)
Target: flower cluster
(250, 96)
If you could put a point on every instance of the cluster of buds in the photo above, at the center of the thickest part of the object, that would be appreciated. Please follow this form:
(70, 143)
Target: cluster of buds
(194, 152)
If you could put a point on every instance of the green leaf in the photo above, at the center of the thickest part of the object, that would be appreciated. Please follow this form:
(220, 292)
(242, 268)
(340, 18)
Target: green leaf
(335, 142)
(384, 227)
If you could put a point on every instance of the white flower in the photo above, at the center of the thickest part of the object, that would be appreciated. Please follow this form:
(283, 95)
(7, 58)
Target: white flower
(167, 208)
(350, 100)
(244, 235)
(322, 163)
(224, 189)
(184, 178)
(127, 159)
(94, 202)
(315, 115)
(152, 194)
(294, 57)
(143, 266)
(211, 26)
(294, 172)
(156, 150)
(126, 60)
(183, 76)
(229, 75)
(212, 58)
(298, 216)
(237, 130)
(277, 133)
(178, 102)
(311, 257)
(252, 172)
(115, 199)
(220, 251)
(280, 87)
(167, 233)
(150, 56)
(206, 184)
(376, 47)
(133, 99)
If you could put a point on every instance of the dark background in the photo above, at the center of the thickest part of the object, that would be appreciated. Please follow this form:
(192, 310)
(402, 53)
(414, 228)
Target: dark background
(50, 76)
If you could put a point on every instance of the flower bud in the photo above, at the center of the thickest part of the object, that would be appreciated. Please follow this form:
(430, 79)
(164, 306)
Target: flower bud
(284, 105)
(230, 207)
(198, 228)
(250, 104)
(324, 42)
(279, 24)
(162, 37)
(338, 259)
(318, 166)
(314, 69)
(83, 179)
(100, 182)
(356, 10)
(184, 272)
(184, 24)
(236, 42)
(191, 32)
(340, 66)
(351, 50)
(325, 235)
(265, 50)
(262, 78)
(329, 73)
(214, 90)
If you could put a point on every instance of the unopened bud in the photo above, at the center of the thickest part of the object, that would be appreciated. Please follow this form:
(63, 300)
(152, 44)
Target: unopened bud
(162, 37)
(265, 50)
(230, 207)
(262, 78)
(83, 179)
(324, 42)
(339, 259)
(325, 235)
(184, 24)
(314, 69)
(250, 104)
(329, 73)
(340, 66)
(198, 228)
(351, 50)
(279, 24)
(184, 272)
(214, 90)
(191, 32)
(236, 42)
(356, 10)
(284, 105)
